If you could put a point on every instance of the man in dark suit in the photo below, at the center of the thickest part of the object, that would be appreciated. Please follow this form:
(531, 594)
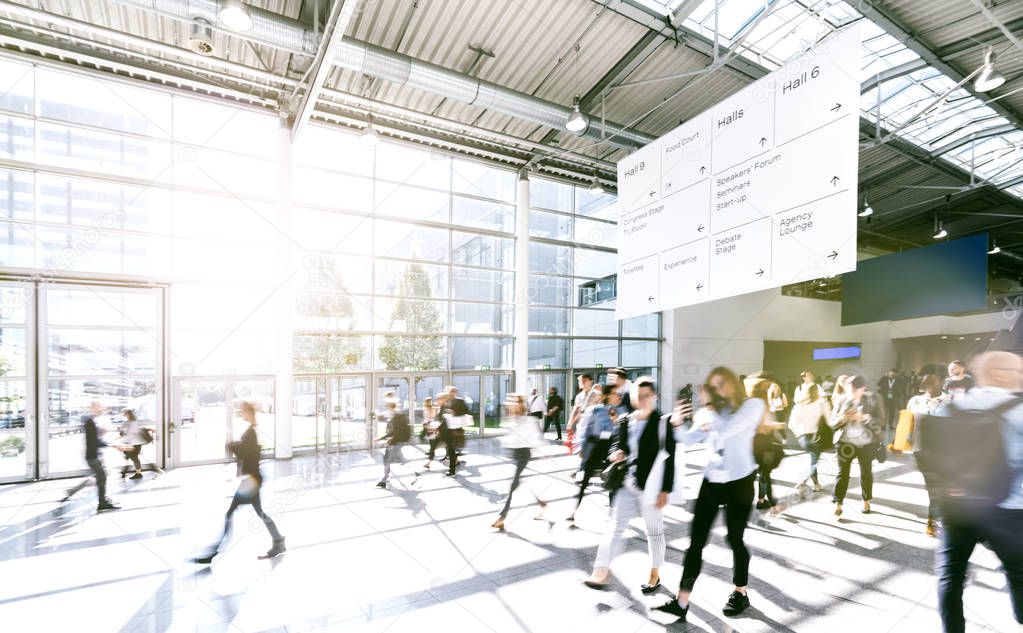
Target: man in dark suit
(892, 389)
(554, 407)
(454, 413)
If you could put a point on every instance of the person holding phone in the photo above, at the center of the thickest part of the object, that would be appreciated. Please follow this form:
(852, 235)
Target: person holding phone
(859, 429)
(726, 422)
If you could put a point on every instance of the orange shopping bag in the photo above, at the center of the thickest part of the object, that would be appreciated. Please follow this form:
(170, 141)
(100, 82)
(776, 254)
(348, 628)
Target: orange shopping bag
(904, 432)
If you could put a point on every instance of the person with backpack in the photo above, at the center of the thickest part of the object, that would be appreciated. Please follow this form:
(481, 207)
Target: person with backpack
(974, 452)
(397, 433)
(133, 438)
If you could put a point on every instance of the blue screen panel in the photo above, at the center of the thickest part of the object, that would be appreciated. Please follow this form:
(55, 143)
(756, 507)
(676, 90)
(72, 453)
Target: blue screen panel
(835, 353)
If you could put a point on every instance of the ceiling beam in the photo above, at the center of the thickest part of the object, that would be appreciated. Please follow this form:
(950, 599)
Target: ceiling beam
(341, 14)
(880, 16)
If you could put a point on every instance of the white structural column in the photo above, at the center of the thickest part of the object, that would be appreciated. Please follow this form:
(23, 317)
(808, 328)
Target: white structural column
(521, 295)
(284, 298)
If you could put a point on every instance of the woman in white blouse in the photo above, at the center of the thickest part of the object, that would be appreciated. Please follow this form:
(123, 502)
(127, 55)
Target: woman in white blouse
(522, 437)
(809, 408)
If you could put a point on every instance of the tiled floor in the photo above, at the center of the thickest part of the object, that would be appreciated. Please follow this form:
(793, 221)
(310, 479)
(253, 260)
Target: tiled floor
(420, 557)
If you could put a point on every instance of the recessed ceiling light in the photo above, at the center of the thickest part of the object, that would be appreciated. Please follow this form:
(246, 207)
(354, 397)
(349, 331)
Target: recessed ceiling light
(944, 337)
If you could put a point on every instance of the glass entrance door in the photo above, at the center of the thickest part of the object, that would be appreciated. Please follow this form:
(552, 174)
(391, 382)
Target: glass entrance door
(349, 412)
(97, 344)
(206, 417)
(17, 420)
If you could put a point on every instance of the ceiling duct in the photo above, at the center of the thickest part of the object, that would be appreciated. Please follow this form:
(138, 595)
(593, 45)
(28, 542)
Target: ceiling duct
(279, 31)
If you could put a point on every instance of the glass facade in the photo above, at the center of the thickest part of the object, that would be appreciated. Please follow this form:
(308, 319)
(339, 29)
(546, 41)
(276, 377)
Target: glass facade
(402, 257)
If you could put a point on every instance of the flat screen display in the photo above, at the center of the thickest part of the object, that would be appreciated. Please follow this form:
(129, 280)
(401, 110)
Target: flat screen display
(940, 279)
(836, 353)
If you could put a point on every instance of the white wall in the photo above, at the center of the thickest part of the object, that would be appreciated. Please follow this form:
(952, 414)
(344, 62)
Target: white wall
(731, 332)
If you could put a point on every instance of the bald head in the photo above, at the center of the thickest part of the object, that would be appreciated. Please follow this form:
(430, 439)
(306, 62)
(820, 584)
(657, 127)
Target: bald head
(998, 369)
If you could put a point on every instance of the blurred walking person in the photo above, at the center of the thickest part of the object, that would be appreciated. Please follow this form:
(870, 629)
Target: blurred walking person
(596, 443)
(537, 406)
(859, 425)
(523, 436)
(555, 406)
(397, 433)
(455, 413)
(809, 411)
(726, 422)
(133, 438)
(247, 451)
(927, 402)
(640, 439)
(94, 445)
(431, 430)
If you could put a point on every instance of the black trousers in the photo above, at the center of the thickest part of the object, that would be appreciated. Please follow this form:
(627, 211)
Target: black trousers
(556, 421)
(454, 440)
(865, 456)
(595, 460)
(521, 457)
(1000, 530)
(100, 473)
(257, 507)
(765, 489)
(133, 457)
(737, 497)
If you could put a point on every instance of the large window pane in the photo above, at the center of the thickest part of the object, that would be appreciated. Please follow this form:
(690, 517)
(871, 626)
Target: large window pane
(411, 279)
(94, 307)
(481, 318)
(474, 352)
(595, 205)
(210, 260)
(481, 250)
(472, 284)
(329, 189)
(590, 353)
(396, 239)
(594, 323)
(333, 312)
(413, 166)
(105, 104)
(639, 353)
(647, 326)
(226, 218)
(332, 231)
(224, 173)
(548, 194)
(483, 214)
(331, 353)
(594, 264)
(550, 259)
(596, 233)
(90, 250)
(418, 353)
(17, 245)
(411, 203)
(337, 274)
(201, 124)
(12, 352)
(410, 315)
(551, 352)
(94, 352)
(16, 194)
(16, 138)
(330, 148)
(544, 290)
(103, 205)
(481, 180)
(548, 320)
(16, 86)
(550, 225)
(101, 152)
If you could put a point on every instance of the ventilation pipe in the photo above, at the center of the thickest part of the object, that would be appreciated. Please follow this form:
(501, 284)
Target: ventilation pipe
(281, 32)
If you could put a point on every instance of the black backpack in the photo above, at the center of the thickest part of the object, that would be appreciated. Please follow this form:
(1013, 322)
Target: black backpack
(400, 429)
(963, 458)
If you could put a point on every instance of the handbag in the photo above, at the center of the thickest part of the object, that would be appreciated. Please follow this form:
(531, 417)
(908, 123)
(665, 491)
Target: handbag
(653, 485)
(768, 450)
(613, 477)
(824, 438)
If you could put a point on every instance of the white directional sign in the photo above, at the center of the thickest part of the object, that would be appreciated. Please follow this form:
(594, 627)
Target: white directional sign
(757, 192)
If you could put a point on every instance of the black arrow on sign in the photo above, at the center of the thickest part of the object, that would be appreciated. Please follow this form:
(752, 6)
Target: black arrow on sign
(700, 229)
(837, 107)
(702, 169)
(833, 254)
(763, 139)
(760, 273)
(834, 180)
(650, 298)
(699, 286)
(653, 193)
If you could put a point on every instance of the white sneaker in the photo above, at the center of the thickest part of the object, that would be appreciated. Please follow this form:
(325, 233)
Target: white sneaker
(579, 476)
